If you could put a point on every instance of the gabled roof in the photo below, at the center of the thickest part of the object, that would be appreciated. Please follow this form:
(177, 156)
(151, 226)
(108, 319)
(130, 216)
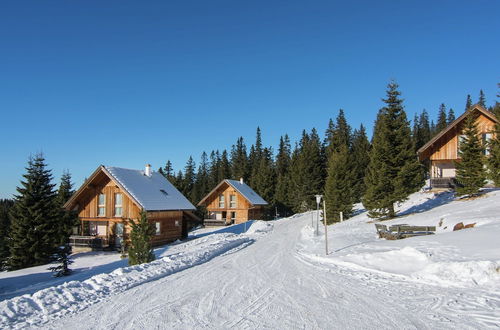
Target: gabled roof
(457, 121)
(244, 189)
(152, 193)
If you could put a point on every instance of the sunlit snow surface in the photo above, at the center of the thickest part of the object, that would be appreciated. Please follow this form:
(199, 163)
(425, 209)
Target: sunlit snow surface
(276, 275)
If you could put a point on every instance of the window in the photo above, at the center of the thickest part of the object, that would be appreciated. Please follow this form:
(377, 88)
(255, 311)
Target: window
(486, 140)
(461, 139)
(101, 206)
(221, 201)
(118, 205)
(233, 216)
(232, 201)
(158, 229)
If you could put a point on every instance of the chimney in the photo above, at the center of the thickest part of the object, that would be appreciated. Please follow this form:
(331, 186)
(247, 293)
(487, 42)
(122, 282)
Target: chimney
(241, 180)
(147, 170)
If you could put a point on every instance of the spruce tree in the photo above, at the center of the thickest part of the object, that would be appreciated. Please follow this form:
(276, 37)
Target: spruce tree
(215, 162)
(141, 250)
(255, 155)
(69, 219)
(62, 258)
(422, 134)
(281, 195)
(451, 116)
(493, 159)
(394, 171)
(442, 120)
(468, 102)
(265, 179)
(189, 179)
(482, 99)
(239, 160)
(168, 171)
(338, 186)
(360, 160)
(470, 171)
(224, 170)
(35, 216)
(5, 205)
(201, 185)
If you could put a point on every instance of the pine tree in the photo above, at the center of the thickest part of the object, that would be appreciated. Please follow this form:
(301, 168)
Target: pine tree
(451, 116)
(35, 218)
(423, 132)
(265, 179)
(140, 250)
(189, 179)
(62, 258)
(470, 171)
(338, 187)
(338, 134)
(69, 219)
(468, 103)
(168, 171)
(239, 160)
(255, 156)
(360, 160)
(215, 162)
(442, 120)
(224, 171)
(201, 185)
(5, 205)
(493, 160)
(394, 171)
(281, 195)
(482, 99)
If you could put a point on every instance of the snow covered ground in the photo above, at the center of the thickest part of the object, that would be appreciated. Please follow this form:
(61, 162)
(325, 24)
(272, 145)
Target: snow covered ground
(276, 275)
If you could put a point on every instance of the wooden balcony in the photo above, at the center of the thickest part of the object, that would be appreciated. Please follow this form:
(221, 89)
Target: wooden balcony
(444, 183)
(215, 222)
(93, 242)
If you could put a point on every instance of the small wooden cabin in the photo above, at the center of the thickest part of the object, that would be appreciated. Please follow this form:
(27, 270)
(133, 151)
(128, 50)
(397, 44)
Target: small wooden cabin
(441, 151)
(231, 202)
(112, 196)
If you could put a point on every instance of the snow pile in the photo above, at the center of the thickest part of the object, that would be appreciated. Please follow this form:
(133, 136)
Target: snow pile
(260, 227)
(53, 302)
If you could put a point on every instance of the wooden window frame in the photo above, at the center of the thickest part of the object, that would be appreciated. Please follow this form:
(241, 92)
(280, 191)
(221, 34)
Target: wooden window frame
(101, 206)
(118, 206)
(157, 228)
(222, 201)
(233, 203)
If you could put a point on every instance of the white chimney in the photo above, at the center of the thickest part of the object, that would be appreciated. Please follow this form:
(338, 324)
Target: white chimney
(147, 170)
(241, 180)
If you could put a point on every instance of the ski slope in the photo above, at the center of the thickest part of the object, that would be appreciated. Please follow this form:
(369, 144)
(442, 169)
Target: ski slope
(276, 275)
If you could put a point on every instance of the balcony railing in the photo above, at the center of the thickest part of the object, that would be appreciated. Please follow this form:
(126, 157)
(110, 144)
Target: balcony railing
(89, 241)
(444, 183)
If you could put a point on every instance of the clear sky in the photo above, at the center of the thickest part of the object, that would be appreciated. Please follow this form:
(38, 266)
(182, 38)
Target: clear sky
(125, 83)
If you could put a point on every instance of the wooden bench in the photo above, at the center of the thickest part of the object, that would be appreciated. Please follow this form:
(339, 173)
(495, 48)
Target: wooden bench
(403, 231)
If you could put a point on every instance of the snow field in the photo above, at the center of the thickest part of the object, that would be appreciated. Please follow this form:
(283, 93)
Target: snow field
(74, 296)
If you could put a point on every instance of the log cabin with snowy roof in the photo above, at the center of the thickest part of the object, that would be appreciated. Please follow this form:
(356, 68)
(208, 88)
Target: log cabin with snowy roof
(112, 196)
(442, 151)
(232, 202)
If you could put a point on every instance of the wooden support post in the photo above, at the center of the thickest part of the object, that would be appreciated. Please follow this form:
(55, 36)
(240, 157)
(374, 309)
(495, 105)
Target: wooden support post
(341, 216)
(326, 227)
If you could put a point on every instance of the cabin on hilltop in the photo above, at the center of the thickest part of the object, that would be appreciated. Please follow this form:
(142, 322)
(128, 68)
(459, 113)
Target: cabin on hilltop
(442, 150)
(231, 202)
(112, 196)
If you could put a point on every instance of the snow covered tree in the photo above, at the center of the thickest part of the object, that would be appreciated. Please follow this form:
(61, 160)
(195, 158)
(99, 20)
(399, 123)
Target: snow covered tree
(470, 171)
(62, 258)
(338, 186)
(5, 205)
(394, 171)
(140, 249)
(36, 218)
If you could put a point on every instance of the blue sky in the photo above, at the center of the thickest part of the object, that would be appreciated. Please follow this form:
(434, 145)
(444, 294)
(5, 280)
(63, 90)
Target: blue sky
(125, 83)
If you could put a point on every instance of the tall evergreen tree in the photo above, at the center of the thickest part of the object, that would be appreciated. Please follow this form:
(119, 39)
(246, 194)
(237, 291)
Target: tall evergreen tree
(224, 171)
(189, 179)
(283, 160)
(470, 171)
(141, 250)
(35, 217)
(338, 134)
(360, 160)
(422, 133)
(482, 99)
(468, 102)
(201, 185)
(451, 116)
(239, 160)
(493, 159)
(5, 205)
(168, 171)
(442, 120)
(256, 154)
(215, 162)
(265, 180)
(394, 171)
(68, 219)
(338, 186)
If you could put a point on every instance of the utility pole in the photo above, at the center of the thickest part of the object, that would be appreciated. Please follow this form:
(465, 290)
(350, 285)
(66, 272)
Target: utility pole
(326, 227)
(318, 201)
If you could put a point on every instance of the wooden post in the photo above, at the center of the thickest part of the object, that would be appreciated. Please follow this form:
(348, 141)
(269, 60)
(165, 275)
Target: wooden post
(326, 227)
(341, 216)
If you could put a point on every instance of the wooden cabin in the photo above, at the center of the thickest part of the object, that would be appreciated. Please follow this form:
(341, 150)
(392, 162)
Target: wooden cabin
(232, 202)
(112, 196)
(441, 151)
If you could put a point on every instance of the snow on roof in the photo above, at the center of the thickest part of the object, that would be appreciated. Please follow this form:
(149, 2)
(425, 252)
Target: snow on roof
(247, 192)
(154, 193)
